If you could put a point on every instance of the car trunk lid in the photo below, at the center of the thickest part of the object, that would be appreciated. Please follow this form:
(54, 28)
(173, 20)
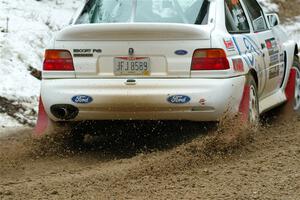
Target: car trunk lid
(145, 50)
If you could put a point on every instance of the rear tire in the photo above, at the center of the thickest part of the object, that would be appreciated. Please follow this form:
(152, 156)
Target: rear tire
(253, 103)
(249, 107)
(296, 103)
(292, 90)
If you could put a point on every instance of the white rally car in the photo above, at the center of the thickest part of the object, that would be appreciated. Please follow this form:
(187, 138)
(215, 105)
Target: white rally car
(168, 60)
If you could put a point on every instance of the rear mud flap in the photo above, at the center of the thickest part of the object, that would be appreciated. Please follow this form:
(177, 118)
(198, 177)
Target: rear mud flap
(288, 111)
(42, 122)
(244, 105)
(290, 87)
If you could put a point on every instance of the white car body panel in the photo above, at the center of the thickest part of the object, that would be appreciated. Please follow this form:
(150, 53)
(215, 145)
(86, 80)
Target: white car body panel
(146, 100)
(163, 60)
(212, 93)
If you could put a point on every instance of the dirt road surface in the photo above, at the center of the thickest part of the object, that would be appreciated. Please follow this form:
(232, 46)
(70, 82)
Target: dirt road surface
(155, 161)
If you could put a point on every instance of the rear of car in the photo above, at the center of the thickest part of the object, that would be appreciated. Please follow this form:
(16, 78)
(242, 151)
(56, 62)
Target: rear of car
(139, 60)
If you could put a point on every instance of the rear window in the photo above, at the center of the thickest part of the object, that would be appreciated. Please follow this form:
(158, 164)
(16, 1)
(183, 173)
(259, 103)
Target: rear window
(129, 11)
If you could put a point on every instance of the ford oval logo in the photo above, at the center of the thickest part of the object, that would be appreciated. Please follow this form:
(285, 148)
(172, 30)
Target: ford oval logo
(181, 52)
(82, 99)
(179, 99)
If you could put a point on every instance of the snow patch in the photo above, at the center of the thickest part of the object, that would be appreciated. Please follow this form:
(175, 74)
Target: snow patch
(31, 25)
(293, 28)
(269, 6)
(7, 121)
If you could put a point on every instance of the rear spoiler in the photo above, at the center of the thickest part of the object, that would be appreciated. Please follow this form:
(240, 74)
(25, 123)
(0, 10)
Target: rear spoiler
(134, 31)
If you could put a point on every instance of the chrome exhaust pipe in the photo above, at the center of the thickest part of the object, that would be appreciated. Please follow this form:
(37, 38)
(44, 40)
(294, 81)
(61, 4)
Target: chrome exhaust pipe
(64, 111)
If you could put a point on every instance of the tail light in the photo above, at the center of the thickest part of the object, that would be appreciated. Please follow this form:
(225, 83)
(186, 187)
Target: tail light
(210, 59)
(58, 60)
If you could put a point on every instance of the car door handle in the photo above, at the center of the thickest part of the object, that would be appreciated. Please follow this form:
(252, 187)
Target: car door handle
(263, 46)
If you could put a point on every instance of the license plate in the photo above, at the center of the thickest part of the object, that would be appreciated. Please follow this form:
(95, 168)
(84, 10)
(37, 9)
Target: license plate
(132, 66)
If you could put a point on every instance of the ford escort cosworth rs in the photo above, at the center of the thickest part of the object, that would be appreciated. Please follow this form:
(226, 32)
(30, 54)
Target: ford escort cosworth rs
(168, 60)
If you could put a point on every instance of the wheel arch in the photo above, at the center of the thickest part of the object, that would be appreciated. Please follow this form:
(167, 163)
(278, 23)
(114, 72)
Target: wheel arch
(296, 51)
(290, 51)
(252, 72)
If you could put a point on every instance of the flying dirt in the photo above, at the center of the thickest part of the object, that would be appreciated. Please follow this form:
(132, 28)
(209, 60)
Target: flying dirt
(139, 160)
(155, 160)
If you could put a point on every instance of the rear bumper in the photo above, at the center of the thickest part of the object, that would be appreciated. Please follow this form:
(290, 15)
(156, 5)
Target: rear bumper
(147, 99)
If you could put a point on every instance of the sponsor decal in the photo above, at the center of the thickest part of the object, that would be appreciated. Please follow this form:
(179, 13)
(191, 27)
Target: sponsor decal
(259, 23)
(181, 52)
(282, 57)
(179, 99)
(251, 49)
(85, 52)
(202, 102)
(273, 50)
(82, 99)
(274, 72)
(229, 44)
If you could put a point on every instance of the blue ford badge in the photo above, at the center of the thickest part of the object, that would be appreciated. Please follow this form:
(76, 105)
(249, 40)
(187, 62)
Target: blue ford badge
(179, 99)
(82, 99)
(181, 52)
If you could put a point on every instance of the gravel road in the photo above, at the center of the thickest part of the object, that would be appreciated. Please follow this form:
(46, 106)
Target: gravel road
(167, 161)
